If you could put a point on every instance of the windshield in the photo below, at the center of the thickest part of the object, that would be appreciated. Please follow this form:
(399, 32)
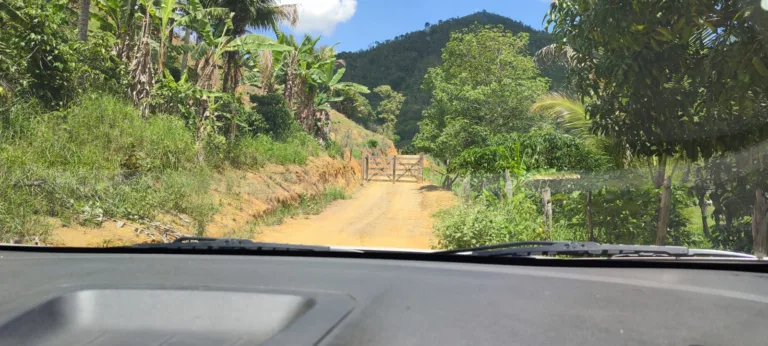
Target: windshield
(408, 125)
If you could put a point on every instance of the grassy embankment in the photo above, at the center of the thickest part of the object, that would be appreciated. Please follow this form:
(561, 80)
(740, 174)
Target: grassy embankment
(99, 162)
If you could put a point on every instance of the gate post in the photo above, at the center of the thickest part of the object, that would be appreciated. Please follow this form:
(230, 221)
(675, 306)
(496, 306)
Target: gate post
(394, 167)
(421, 168)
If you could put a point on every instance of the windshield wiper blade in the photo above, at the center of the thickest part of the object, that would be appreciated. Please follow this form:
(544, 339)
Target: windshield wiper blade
(204, 243)
(535, 248)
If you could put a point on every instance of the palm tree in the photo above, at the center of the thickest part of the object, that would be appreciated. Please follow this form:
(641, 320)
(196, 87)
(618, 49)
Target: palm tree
(566, 113)
(569, 115)
(82, 20)
(259, 14)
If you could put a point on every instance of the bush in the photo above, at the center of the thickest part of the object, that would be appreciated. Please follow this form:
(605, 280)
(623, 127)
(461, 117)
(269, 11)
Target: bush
(371, 144)
(38, 57)
(624, 216)
(96, 159)
(276, 114)
(487, 221)
(258, 151)
(334, 149)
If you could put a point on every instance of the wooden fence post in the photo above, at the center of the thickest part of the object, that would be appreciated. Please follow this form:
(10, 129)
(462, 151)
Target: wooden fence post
(394, 168)
(364, 168)
(421, 168)
(508, 184)
(546, 200)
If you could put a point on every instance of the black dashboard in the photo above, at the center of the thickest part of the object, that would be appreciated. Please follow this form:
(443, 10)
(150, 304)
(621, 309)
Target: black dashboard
(175, 299)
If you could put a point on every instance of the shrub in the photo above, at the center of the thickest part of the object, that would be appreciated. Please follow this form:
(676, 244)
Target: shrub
(254, 152)
(334, 149)
(38, 58)
(624, 216)
(96, 159)
(372, 144)
(276, 114)
(488, 221)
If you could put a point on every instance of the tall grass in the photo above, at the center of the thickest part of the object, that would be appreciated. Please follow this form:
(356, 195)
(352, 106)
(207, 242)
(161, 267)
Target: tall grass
(260, 150)
(97, 159)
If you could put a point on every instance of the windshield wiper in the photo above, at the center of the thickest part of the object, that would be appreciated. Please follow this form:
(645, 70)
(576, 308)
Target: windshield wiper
(536, 248)
(204, 243)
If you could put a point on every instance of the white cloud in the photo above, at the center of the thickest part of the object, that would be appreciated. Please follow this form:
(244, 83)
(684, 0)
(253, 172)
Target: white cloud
(322, 16)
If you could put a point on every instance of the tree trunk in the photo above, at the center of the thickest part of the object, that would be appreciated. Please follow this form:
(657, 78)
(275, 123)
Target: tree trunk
(161, 58)
(588, 212)
(760, 225)
(661, 171)
(226, 78)
(185, 55)
(141, 70)
(82, 20)
(290, 79)
(546, 202)
(703, 208)
(202, 129)
(663, 222)
(125, 48)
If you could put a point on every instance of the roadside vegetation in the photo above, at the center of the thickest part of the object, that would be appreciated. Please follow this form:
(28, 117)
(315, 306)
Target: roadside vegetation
(126, 110)
(656, 138)
(639, 124)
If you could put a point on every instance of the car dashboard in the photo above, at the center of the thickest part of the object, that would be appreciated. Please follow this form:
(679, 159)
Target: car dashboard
(49, 298)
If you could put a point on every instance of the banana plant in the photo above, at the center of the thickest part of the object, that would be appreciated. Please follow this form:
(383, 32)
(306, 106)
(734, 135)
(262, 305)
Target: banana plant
(168, 17)
(118, 17)
(215, 30)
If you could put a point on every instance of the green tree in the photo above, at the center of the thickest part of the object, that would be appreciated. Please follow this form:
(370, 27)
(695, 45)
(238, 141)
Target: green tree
(259, 14)
(403, 62)
(311, 81)
(669, 78)
(389, 109)
(485, 86)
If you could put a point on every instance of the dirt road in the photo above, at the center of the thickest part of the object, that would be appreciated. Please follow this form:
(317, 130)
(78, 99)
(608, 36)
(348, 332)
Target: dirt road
(378, 215)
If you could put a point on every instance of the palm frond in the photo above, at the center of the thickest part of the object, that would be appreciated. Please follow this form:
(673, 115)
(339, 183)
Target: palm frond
(565, 113)
(288, 14)
(554, 54)
(255, 43)
(362, 89)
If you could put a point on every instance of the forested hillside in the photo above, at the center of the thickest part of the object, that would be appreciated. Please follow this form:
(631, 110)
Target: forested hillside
(403, 61)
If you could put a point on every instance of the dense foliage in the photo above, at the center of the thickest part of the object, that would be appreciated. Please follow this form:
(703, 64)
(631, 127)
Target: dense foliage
(107, 113)
(484, 87)
(682, 79)
(403, 62)
(388, 109)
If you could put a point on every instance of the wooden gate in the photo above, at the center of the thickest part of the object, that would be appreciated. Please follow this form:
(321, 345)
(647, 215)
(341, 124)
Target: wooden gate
(396, 168)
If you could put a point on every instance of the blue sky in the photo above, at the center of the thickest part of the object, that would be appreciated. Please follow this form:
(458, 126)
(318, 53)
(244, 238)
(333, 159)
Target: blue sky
(358, 23)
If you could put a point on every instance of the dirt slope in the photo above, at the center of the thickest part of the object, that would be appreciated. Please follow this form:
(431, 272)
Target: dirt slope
(377, 215)
(241, 196)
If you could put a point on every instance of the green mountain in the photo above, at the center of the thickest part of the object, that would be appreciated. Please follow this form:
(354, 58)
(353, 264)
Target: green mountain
(403, 61)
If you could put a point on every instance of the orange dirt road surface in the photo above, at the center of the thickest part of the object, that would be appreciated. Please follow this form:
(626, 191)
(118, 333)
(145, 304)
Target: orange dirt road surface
(381, 215)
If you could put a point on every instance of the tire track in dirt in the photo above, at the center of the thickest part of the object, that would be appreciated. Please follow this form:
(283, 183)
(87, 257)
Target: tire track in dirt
(378, 215)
